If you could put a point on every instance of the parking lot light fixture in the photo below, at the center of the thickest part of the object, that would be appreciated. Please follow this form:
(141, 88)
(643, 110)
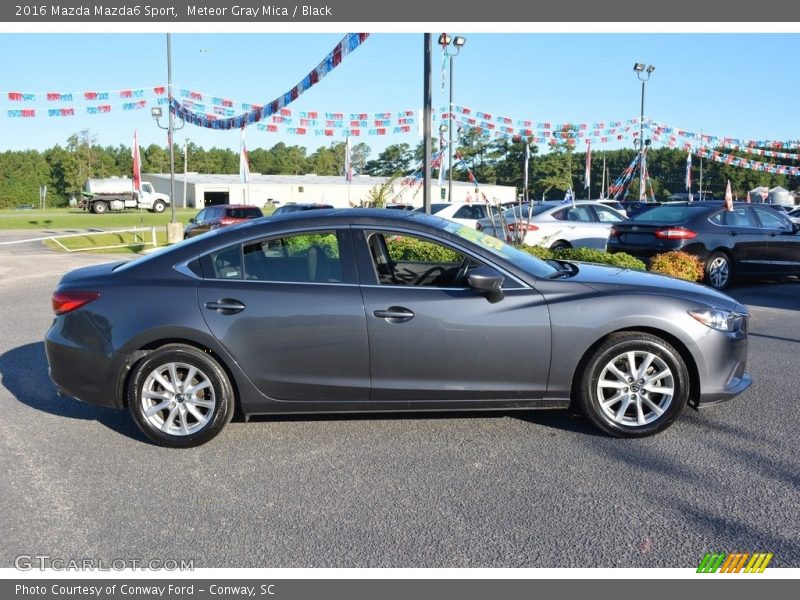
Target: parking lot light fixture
(451, 46)
(643, 74)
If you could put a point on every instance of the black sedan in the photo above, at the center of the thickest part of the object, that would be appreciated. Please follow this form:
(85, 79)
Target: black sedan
(373, 310)
(749, 241)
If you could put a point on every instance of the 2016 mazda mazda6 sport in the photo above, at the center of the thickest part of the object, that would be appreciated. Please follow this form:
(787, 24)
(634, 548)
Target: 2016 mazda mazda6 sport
(375, 310)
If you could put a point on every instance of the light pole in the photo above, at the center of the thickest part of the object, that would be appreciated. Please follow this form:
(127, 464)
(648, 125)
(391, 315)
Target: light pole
(174, 233)
(446, 42)
(643, 74)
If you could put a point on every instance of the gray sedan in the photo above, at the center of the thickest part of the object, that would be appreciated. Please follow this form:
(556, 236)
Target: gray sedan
(370, 310)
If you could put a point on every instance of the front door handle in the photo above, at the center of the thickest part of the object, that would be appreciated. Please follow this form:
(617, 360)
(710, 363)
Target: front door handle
(226, 306)
(395, 314)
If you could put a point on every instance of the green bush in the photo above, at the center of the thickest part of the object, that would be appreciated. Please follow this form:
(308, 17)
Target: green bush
(591, 255)
(413, 250)
(678, 264)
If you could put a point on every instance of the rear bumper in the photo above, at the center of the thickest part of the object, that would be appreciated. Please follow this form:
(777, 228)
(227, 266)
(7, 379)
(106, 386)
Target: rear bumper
(80, 373)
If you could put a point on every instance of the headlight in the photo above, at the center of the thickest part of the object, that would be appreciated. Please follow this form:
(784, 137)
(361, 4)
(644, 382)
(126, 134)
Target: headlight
(722, 320)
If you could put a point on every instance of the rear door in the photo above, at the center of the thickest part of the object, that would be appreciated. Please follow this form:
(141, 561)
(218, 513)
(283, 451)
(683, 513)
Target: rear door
(288, 309)
(748, 241)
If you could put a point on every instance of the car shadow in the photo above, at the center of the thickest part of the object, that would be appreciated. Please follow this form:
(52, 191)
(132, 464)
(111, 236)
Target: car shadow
(23, 372)
(775, 294)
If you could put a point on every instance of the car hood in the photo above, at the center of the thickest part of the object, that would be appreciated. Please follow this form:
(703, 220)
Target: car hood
(613, 279)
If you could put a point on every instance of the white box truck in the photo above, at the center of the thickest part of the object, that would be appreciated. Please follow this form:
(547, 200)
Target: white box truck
(116, 193)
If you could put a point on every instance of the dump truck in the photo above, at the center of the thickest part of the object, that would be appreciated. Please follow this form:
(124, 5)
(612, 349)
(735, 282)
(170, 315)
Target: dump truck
(101, 195)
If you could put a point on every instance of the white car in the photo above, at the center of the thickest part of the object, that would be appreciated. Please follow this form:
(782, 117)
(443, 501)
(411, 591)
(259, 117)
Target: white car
(794, 215)
(555, 224)
(466, 213)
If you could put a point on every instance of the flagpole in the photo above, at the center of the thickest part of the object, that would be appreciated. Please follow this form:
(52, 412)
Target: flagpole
(700, 186)
(603, 182)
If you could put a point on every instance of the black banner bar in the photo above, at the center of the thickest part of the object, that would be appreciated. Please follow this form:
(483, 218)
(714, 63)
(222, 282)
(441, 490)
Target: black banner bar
(407, 11)
(370, 589)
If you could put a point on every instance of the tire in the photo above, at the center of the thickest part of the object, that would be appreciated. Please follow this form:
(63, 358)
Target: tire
(623, 401)
(718, 271)
(188, 417)
(158, 206)
(99, 208)
(560, 245)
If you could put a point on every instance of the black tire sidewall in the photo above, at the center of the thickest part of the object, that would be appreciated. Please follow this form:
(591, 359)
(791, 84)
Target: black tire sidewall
(223, 411)
(619, 344)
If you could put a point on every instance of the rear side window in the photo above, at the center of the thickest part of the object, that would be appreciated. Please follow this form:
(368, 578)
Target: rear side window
(250, 212)
(302, 258)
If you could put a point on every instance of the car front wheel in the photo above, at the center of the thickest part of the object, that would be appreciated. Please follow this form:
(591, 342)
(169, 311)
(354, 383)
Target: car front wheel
(179, 396)
(634, 385)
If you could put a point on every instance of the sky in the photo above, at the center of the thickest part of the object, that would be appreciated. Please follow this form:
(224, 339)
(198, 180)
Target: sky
(725, 84)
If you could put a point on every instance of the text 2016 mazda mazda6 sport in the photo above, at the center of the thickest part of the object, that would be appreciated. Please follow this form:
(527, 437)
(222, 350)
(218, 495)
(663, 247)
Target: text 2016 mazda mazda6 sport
(372, 310)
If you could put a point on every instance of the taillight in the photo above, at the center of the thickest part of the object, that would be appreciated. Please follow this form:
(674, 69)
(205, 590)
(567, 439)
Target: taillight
(66, 302)
(675, 233)
(614, 232)
(522, 227)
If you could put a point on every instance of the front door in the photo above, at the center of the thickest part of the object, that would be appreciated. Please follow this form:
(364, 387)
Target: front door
(432, 338)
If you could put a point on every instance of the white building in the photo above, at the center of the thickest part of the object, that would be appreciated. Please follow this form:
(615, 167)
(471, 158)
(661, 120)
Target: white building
(204, 190)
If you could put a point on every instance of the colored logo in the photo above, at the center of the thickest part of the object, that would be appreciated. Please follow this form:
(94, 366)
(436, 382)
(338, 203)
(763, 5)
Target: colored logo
(735, 563)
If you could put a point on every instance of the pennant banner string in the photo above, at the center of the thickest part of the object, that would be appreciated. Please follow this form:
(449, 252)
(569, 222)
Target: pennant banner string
(349, 43)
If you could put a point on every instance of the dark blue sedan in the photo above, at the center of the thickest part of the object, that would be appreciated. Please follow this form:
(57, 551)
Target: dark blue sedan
(749, 241)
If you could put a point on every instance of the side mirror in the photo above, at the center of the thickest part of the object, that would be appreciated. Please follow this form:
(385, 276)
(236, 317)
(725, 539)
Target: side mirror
(487, 282)
(191, 221)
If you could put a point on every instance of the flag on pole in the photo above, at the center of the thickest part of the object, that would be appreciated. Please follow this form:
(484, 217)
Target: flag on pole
(689, 172)
(137, 163)
(348, 161)
(569, 197)
(587, 175)
(244, 161)
(728, 196)
(525, 168)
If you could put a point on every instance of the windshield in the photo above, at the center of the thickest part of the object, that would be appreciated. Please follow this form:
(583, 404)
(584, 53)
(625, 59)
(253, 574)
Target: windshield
(526, 262)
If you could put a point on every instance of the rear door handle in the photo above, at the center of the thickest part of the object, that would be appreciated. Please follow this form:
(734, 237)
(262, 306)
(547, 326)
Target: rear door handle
(395, 314)
(226, 306)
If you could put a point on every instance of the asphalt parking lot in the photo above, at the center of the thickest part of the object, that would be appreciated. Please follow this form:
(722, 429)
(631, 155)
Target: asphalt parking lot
(533, 489)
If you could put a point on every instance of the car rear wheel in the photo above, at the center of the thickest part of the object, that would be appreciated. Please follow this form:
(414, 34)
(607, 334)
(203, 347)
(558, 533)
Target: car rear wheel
(634, 385)
(179, 396)
(719, 270)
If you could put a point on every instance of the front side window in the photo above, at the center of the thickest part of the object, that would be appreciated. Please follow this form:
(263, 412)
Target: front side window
(770, 219)
(407, 260)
